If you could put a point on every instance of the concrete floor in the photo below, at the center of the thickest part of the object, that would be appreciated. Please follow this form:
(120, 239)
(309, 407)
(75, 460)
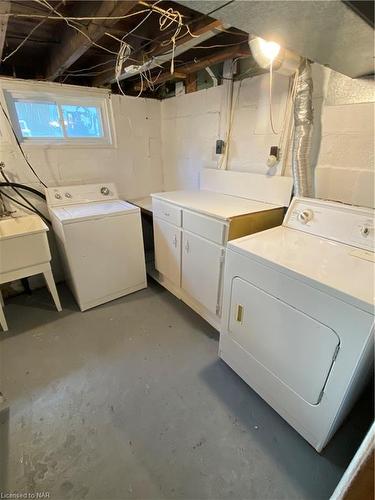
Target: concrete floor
(129, 400)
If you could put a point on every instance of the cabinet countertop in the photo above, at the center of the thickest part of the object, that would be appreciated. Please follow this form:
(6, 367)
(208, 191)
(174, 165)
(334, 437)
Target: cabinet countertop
(213, 204)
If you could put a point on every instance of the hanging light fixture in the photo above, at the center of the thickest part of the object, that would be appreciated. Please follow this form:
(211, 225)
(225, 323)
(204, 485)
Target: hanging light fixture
(267, 53)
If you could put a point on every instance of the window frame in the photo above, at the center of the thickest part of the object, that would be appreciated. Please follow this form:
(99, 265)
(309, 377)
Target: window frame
(97, 100)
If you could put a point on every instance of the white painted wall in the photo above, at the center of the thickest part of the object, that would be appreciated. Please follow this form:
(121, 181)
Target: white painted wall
(134, 164)
(343, 141)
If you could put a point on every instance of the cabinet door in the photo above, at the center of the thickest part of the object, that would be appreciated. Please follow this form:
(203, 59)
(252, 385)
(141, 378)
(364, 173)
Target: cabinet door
(167, 241)
(201, 270)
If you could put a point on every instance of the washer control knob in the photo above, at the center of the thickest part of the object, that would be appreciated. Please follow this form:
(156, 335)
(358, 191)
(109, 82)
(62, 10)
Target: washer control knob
(68, 195)
(365, 231)
(58, 196)
(305, 216)
(105, 191)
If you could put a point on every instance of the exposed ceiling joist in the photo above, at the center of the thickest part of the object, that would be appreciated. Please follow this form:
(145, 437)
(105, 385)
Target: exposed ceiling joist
(240, 50)
(75, 44)
(4, 10)
(204, 30)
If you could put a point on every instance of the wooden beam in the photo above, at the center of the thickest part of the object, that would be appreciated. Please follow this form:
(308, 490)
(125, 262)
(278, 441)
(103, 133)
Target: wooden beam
(4, 10)
(164, 77)
(191, 68)
(74, 44)
(217, 57)
(191, 83)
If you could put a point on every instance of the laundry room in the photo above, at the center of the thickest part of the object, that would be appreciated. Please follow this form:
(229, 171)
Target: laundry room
(187, 194)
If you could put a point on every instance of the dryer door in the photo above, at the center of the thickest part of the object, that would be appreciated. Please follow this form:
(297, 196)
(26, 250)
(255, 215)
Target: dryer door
(297, 349)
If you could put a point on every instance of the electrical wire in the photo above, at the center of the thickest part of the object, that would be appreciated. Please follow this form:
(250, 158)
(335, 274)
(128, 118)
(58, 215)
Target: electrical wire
(168, 18)
(27, 37)
(60, 17)
(91, 67)
(73, 26)
(36, 211)
(270, 96)
(20, 147)
(214, 46)
(18, 193)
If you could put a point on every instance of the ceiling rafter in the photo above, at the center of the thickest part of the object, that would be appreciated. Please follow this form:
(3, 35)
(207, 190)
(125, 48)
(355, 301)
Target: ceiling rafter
(240, 50)
(75, 44)
(205, 30)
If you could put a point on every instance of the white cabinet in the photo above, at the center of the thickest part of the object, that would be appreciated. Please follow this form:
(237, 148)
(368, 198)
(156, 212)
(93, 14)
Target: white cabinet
(202, 263)
(167, 240)
(190, 250)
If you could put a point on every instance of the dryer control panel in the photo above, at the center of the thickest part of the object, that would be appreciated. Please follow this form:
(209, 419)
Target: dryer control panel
(335, 221)
(73, 195)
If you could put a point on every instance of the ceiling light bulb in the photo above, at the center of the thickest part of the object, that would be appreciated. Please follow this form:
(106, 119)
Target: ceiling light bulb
(269, 49)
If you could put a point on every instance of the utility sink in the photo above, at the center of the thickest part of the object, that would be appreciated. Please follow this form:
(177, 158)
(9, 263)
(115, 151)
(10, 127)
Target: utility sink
(23, 242)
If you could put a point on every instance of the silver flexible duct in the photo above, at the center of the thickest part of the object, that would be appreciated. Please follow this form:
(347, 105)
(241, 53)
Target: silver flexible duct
(303, 127)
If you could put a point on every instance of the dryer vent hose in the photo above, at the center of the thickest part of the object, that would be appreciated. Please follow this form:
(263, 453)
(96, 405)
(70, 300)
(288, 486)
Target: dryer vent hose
(303, 128)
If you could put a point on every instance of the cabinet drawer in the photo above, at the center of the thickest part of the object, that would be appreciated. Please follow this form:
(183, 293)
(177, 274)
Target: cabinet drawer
(206, 227)
(166, 211)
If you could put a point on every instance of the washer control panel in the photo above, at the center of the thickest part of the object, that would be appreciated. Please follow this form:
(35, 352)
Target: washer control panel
(87, 193)
(335, 221)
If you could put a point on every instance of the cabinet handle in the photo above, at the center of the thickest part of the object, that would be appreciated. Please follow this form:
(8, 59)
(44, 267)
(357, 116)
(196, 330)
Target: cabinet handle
(187, 247)
(175, 241)
(167, 214)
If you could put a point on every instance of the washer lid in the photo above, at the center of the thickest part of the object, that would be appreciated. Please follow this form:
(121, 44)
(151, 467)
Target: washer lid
(95, 210)
(336, 268)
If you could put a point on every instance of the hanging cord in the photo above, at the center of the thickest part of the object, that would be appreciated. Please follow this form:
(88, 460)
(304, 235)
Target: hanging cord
(233, 109)
(29, 35)
(271, 114)
(20, 147)
(23, 187)
(288, 125)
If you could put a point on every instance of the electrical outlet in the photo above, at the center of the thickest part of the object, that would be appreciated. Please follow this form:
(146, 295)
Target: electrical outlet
(220, 146)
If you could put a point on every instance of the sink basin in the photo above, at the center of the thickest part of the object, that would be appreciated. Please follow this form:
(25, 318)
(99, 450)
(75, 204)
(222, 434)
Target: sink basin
(23, 243)
(11, 227)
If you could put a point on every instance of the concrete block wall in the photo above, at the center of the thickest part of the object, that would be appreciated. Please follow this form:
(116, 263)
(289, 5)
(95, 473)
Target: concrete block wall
(134, 164)
(345, 158)
(343, 139)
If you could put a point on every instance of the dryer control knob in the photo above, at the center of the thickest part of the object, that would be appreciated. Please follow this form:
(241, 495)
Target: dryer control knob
(305, 216)
(58, 196)
(68, 195)
(104, 190)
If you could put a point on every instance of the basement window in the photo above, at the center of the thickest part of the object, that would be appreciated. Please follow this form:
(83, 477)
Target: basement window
(59, 120)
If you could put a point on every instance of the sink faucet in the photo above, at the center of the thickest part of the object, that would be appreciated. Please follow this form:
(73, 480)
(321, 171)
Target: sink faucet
(4, 212)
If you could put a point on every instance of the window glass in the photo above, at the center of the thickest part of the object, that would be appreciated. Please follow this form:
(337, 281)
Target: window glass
(38, 119)
(82, 121)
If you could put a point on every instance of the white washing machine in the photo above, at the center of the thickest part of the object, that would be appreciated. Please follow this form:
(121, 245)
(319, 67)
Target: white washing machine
(100, 241)
(298, 314)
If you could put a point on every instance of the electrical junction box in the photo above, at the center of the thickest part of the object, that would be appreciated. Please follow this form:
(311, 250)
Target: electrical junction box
(275, 151)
